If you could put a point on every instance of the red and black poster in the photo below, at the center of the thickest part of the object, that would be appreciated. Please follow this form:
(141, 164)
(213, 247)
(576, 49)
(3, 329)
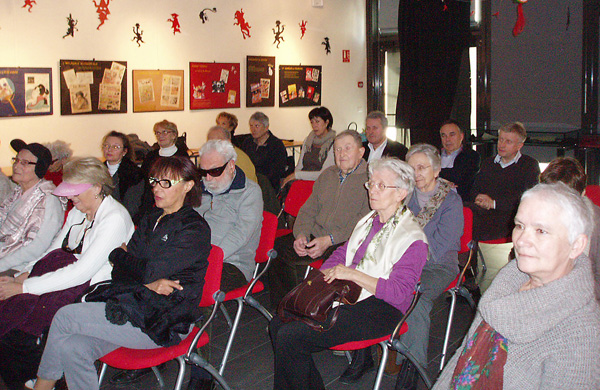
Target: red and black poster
(260, 81)
(25, 91)
(214, 85)
(300, 85)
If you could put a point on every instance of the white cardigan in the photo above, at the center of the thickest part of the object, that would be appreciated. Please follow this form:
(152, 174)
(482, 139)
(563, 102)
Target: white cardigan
(112, 227)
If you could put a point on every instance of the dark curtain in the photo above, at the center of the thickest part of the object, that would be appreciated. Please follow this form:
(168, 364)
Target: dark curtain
(433, 35)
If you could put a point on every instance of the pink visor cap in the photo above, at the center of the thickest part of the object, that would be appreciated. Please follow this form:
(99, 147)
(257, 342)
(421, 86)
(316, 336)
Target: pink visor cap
(70, 189)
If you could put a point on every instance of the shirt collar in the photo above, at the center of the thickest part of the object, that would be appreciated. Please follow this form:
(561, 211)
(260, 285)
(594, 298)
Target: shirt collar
(498, 160)
(344, 177)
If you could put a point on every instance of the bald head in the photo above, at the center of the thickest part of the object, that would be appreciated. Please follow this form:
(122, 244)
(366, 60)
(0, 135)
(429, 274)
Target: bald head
(218, 132)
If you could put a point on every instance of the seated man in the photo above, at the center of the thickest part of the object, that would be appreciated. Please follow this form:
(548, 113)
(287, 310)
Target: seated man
(377, 144)
(460, 163)
(326, 220)
(243, 161)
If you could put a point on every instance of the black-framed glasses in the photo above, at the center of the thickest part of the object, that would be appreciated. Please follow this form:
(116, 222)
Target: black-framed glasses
(24, 163)
(380, 186)
(164, 183)
(214, 172)
(79, 247)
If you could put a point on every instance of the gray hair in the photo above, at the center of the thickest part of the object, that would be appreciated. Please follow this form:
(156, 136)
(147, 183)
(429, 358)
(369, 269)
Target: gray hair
(222, 147)
(260, 117)
(59, 149)
(378, 115)
(88, 170)
(405, 174)
(352, 133)
(576, 215)
(428, 150)
(222, 133)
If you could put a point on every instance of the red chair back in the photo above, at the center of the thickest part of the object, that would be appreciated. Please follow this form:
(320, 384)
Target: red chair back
(593, 192)
(467, 236)
(267, 237)
(212, 280)
(300, 191)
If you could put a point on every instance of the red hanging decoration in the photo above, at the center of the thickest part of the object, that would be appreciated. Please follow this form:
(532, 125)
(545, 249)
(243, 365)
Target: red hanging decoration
(102, 11)
(241, 21)
(29, 3)
(520, 24)
(302, 28)
(175, 23)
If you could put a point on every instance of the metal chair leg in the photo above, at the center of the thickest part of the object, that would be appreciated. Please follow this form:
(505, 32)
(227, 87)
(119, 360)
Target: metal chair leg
(181, 373)
(226, 315)
(232, 332)
(159, 378)
(452, 292)
(102, 372)
(382, 362)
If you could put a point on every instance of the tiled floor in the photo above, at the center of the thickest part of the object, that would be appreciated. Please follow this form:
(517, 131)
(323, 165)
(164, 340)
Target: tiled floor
(250, 365)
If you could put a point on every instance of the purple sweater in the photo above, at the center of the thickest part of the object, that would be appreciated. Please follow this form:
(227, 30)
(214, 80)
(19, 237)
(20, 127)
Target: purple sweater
(398, 289)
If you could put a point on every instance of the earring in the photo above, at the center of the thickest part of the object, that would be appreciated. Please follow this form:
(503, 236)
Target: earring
(96, 196)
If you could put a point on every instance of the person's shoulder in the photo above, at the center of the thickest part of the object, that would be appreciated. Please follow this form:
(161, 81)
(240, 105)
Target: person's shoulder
(190, 217)
(528, 161)
(467, 152)
(365, 144)
(453, 199)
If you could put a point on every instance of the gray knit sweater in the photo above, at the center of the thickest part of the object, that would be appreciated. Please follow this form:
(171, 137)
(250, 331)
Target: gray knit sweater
(552, 332)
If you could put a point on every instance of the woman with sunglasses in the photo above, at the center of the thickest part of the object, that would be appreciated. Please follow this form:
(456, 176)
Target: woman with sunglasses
(76, 259)
(152, 299)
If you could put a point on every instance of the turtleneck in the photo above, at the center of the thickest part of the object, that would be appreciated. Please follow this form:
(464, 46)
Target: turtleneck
(167, 152)
(423, 197)
(112, 169)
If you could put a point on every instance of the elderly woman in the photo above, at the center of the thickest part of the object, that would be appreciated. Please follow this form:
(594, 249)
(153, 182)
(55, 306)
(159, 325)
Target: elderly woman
(166, 136)
(30, 217)
(127, 177)
(317, 149)
(538, 324)
(77, 257)
(61, 153)
(156, 285)
(384, 256)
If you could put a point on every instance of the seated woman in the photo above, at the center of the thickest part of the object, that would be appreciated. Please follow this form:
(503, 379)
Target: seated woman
(127, 177)
(77, 258)
(30, 217)
(166, 137)
(317, 149)
(384, 256)
(61, 153)
(156, 285)
(538, 324)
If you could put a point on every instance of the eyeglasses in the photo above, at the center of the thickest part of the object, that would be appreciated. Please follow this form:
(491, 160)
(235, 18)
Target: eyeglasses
(113, 147)
(214, 172)
(23, 163)
(421, 168)
(380, 186)
(164, 183)
(164, 132)
(79, 247)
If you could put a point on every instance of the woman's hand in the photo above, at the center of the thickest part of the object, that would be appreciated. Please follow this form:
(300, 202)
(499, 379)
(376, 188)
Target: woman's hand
(164, 286)
(9, 287)
(339, 272)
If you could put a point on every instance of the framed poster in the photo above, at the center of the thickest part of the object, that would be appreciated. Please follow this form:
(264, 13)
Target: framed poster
(299, 85)
(93, 87)
(214, 85)
(157, 90)
(25, 91)
(260, 81)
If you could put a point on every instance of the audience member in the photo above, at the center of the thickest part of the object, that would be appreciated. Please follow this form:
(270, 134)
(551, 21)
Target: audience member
(166, 136)
(538, 325)
(77, 258)
(229, 122)
(61, 153)
(325, 221)
(377, 144)
(243, 161)
(317, 149)
(30, 216)
(569, 171)
(460, 163)
(384, 256)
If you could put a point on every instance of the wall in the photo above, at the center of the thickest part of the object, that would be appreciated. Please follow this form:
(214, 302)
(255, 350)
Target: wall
(35, 40)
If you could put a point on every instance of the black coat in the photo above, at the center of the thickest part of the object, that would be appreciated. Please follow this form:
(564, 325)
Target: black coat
(177, 249)
(392, 149)
(129, 187)
(466, 166)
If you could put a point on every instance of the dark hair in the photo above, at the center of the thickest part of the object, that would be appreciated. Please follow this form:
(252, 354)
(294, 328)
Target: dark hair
(124, 139)
(452, 122)
(323, 113)
(178, 167)
(566, 170)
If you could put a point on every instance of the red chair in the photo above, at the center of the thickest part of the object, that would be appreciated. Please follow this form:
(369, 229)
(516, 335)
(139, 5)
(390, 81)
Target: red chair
(264, 254)
(135, 359)
(456, 288)
(300, 191)
(593, 192)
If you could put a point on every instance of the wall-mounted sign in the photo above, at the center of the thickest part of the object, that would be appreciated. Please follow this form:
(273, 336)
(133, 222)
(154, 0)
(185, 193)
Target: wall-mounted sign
(300, 85)
(25, 91)
(260, 81)
(214, 85)
(157, 90)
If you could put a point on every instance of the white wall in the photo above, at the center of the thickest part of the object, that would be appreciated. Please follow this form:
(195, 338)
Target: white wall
(35, 40)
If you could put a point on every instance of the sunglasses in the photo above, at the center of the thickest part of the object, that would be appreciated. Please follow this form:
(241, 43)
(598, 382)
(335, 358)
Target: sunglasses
(214, 172)
(164, 183)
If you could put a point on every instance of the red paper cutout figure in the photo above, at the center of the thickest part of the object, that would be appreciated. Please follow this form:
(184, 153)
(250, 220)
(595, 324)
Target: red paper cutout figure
(302, 28)
(240, 21)
(29, 3)
(175, 23)
(520, 23)
(102, 11)
(496, 14)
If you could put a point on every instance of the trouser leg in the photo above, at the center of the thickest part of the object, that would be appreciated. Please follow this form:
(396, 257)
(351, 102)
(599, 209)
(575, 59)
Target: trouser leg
(20, 355)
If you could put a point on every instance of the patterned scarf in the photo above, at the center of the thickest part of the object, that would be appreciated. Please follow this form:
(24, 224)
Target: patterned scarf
(326, 142)
(434, 203)
(381, 235)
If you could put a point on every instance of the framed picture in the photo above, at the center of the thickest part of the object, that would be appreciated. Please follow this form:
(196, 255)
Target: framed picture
(25, 91)
(157, 90)
(214, 85)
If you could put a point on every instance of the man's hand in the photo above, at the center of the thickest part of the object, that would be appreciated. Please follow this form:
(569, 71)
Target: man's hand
(484, 201)
(300, 245)
(318, 246)
(164, 286)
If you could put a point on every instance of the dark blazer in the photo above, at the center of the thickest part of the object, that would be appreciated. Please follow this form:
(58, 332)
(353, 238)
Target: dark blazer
(466, 166)
(392, 149)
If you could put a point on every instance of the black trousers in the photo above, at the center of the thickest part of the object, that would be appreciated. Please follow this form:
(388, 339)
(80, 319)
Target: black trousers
(294, 342)
(20, 356)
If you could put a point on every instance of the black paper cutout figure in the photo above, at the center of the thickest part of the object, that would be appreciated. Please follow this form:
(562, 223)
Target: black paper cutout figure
(327, 45)
(71, 29)
(203, 16)
(278, 37)
(137, 34)
(29, 3)
(241, 21)
(175, 23)
(102, 11)
(302, 28)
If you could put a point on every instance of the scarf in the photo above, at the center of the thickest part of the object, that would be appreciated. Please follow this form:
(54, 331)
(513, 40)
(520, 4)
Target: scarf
(21, 216)
(427, 211)
(326, 142)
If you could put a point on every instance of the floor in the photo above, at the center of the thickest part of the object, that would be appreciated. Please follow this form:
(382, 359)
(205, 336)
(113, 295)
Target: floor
(250, 365)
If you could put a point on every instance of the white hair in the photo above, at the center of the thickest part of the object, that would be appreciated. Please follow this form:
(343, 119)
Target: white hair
(405, 174)
(222, 147)
(428, 150)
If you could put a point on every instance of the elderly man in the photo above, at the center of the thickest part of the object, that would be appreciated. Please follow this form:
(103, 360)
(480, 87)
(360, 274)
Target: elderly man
(326, 220)
(243, 161)
(459, 162)
(377, 144)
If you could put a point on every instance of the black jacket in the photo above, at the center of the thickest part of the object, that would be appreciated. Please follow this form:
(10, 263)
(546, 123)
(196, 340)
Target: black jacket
(466, 166)
(392, 149)
(177, 249)
(129, 187)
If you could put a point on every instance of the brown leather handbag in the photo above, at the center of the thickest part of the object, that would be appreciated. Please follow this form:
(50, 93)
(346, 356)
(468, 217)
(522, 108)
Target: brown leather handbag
(311, 300)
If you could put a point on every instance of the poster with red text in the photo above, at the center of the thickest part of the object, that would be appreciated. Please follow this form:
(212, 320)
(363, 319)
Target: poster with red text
(214, 85)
